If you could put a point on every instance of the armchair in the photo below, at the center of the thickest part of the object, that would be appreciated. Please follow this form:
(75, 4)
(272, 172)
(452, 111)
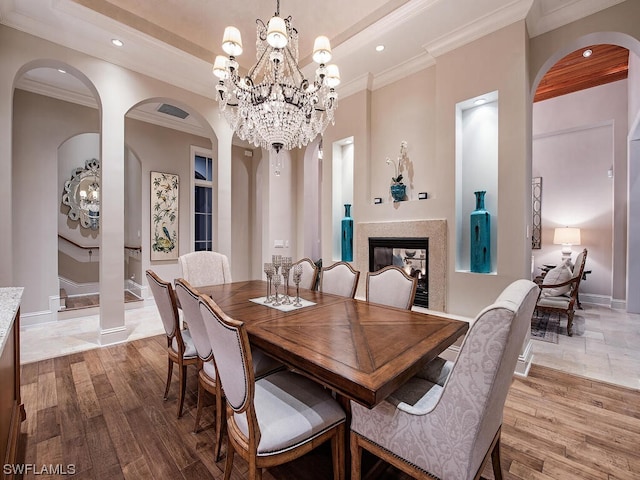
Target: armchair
(445, 422)
(557, 298)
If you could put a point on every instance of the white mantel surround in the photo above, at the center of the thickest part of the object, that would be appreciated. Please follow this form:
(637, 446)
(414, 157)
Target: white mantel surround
(434, 230)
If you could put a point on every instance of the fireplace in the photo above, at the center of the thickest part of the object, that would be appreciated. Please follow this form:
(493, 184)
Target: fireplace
(409, 253)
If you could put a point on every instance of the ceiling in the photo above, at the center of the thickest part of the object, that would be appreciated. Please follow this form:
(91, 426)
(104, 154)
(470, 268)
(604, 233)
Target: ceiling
(176, 40)
(574, 72)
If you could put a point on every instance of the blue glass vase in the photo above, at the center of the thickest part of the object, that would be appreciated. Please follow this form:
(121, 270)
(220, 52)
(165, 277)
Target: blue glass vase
(347, 234)
(480, 259)
(398, 191)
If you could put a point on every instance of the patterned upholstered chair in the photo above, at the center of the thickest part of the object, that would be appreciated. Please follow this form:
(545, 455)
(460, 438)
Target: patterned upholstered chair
(339, 279)
(189, 299)
(205, 268)
(562, 297)
(277, 418)
(391, 286)
(180, 347)
(309, 274)
(445, 421)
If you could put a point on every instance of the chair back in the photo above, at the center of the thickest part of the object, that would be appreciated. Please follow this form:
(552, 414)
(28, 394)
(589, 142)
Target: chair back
(205, 268)
(482, 374)
(189, 299)
(578, 271)
(165, 299)
(391, 286)
(231, 354)
(309, 273)
(339, 279)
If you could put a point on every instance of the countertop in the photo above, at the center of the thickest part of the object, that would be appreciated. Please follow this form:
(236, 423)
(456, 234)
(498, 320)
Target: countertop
(10, 298)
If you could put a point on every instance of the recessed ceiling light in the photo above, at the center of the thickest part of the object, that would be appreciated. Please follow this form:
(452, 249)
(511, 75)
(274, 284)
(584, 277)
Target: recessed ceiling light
(379, 48)
(480, 101)
(587, 53)
(117, 43)
(62, 71)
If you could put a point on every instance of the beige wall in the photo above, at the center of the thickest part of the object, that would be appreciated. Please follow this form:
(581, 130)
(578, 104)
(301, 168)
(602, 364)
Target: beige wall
(421, 110)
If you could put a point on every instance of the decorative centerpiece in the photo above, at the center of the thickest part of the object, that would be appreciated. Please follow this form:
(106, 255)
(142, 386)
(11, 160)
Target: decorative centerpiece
(398, 189)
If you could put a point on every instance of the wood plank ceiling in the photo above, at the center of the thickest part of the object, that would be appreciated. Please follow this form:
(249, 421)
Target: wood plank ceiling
(607, 63)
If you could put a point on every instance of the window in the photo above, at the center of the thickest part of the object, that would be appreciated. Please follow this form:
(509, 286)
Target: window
(203, 201)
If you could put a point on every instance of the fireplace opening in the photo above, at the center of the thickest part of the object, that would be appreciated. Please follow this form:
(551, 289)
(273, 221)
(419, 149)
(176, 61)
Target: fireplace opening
(409, 253)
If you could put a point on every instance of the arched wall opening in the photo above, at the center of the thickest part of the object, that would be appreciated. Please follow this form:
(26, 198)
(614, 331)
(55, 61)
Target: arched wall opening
(41, 123)
(622, 224)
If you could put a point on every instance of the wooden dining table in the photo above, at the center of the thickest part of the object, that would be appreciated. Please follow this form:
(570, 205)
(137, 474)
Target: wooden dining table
(360, 350)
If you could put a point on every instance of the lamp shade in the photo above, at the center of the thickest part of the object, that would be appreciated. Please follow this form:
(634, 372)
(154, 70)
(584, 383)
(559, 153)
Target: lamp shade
(321, 50)
(220, 67)
(277, 33)
(232, 41)
(333, 76)
(566, 236)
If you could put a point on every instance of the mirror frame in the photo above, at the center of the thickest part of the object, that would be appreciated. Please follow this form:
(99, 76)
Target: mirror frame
(71, 195)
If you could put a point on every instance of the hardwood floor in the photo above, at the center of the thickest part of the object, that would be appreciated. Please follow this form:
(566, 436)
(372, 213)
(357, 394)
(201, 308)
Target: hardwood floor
(102, 412)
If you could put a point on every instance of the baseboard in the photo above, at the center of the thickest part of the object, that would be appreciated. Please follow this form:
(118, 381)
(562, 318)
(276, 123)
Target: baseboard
(604, 300)
(111, 336)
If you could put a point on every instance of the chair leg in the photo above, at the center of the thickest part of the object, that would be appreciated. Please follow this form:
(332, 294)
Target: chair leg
(199, 406)
(495, 460)
(337, 453)
(183, 388)
(228, 464)
(220, 416)
(356, 457)
(570, 323)
(169, 373)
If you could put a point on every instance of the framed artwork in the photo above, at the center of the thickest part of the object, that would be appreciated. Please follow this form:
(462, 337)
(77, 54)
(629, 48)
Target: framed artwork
(164, 216)
(536, 204)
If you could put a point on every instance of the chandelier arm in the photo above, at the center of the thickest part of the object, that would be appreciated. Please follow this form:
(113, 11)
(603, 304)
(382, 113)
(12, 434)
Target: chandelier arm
(291, 61)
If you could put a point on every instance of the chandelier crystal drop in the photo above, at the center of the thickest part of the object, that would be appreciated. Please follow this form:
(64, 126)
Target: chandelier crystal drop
(274, 105)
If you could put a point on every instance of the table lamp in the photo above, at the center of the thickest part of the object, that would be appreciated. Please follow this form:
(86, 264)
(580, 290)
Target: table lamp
(566, 237)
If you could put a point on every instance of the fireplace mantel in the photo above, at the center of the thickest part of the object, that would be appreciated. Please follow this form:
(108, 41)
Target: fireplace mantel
(435, 230)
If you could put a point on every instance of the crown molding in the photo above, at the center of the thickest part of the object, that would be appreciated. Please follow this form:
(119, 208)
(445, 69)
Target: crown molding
(402, 70)
(514, 11)
(547, 16)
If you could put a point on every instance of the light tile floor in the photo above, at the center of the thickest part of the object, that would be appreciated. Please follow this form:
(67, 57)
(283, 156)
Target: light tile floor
(605, 345)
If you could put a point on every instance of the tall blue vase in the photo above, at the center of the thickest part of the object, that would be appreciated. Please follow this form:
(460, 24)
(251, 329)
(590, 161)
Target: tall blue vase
(347, 235)
(480, 236)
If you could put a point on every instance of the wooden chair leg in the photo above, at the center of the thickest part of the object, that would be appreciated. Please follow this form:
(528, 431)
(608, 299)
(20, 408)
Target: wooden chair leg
(228, 464)
(337, 453)
(495, 460)
(169, 373)
(570, 323)
(183, 388)
(356, 457)
(220, 419)
(199, 405)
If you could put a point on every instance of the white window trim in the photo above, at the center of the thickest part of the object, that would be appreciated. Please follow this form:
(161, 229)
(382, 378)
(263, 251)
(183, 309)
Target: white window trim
(203, 152)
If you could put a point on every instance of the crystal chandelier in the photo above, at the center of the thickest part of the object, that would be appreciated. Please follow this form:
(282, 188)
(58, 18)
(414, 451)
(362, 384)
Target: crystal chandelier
(274, 106)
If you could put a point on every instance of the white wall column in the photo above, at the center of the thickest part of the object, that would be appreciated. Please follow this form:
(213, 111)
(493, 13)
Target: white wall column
(223, 227)
(633, 228)
(112, 327)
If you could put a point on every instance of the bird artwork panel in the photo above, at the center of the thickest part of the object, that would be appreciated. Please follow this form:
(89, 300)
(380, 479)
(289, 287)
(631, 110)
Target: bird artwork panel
(164, 216)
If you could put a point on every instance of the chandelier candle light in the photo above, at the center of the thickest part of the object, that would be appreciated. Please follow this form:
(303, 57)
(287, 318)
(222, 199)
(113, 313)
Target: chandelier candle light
(274, 105)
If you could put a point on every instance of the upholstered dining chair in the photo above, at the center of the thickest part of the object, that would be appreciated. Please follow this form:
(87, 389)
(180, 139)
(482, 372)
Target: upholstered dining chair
(309, 273)
(263, 364)
(561, 295)
(391, 286)
(445, 422)
(339, 279)
(277, 418)
(205, 268)
(180, 347)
